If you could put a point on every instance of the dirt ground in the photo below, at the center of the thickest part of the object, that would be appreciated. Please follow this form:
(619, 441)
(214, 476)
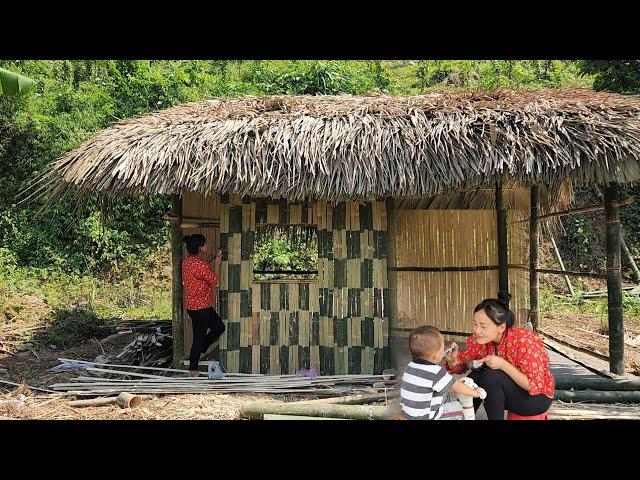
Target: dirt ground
(584, 331)
(32, 368)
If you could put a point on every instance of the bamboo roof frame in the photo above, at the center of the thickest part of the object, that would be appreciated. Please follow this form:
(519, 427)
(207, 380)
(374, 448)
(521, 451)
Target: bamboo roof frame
(343, 147)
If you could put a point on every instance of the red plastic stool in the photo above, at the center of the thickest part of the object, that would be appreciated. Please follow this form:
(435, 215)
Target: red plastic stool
(515, 416)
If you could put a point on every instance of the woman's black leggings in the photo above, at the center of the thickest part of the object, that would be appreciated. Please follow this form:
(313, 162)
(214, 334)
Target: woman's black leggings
(505, 394)
(201, 321)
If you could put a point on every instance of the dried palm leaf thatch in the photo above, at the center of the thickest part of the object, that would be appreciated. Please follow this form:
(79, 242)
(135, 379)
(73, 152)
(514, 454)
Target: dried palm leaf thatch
(337, 147)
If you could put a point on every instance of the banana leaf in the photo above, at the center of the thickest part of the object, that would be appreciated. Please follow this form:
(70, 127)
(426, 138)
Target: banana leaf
(14, 84)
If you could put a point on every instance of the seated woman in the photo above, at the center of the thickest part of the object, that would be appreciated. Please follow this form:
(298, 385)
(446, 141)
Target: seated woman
(515, 371)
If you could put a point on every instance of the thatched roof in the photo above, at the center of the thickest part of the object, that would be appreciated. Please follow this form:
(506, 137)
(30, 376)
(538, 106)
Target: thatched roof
(333, 147)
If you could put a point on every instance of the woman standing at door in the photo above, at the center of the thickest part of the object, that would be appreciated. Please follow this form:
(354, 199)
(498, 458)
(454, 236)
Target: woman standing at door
(198, 280)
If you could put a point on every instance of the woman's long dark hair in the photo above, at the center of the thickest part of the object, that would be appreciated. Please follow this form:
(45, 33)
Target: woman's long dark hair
(194, 242)
(497, 309)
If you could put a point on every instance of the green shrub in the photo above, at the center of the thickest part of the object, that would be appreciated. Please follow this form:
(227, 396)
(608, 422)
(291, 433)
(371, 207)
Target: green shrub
(69, 327)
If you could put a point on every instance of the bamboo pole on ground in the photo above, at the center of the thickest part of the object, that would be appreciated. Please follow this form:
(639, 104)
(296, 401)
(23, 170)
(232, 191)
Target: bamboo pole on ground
(614, 282)
(501, 213)
(534, 246)
(607, 384)
(597, 397)
(123, 400)
(176, 283)
(255, 411)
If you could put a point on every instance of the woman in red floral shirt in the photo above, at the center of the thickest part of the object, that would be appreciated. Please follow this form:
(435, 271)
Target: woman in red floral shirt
(198, 280)
(515, 366)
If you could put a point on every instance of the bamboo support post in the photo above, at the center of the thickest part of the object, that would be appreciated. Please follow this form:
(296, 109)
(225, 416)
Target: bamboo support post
(623, 244)
(176, 282)
(534, 246)
(614, 282)
(501, 212)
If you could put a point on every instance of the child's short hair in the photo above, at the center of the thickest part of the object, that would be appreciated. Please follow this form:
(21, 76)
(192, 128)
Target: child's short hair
(425, 341)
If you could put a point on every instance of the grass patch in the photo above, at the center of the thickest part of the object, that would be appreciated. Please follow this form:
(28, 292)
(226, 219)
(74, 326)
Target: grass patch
(578, 305)
(29, 295)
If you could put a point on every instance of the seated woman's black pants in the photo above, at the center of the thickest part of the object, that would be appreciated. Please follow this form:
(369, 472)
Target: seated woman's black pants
(201, 321)
(505, 394)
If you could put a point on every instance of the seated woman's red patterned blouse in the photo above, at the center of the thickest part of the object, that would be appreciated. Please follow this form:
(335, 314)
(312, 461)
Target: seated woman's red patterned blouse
(198, 279)
(520, 347)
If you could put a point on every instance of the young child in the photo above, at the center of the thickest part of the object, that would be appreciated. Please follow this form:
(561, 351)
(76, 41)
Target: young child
(424, 382)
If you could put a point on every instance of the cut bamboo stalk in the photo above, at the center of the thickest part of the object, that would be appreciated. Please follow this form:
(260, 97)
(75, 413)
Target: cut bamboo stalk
(272, 416)
(28, 386)
(597, 397)
(351, 399)
(128, 400)
(607, 384)
(556, 251)
(93, 402)
(255, 411)
(589, 208)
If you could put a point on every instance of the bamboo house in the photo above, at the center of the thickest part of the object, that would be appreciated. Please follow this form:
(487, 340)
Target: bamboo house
(420, 207)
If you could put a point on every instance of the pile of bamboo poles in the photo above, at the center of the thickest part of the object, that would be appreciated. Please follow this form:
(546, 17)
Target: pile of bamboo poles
(166, 380)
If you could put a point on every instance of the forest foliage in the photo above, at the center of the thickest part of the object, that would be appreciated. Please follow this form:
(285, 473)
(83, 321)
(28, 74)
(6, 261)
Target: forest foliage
(74, 99)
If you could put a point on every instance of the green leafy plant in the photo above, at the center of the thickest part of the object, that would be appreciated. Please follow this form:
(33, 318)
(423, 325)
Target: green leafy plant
(70, 326)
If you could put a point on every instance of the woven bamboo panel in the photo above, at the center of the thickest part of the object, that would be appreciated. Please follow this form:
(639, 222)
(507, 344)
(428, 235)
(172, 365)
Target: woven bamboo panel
(453, 238)
(199, 206)
(337, 324)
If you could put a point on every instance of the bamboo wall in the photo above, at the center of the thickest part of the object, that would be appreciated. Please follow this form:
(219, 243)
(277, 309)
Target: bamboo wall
(339, 323)
(452, 238)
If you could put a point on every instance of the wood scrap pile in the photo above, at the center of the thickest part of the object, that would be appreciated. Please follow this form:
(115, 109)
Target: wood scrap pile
(157, 380)
(151, 349)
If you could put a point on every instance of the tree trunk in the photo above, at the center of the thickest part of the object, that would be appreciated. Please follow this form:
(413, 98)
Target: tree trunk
(614, 282)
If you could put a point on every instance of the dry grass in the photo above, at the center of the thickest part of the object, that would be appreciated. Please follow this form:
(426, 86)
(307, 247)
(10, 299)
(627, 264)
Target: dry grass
(334, 147)
(169, 407)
